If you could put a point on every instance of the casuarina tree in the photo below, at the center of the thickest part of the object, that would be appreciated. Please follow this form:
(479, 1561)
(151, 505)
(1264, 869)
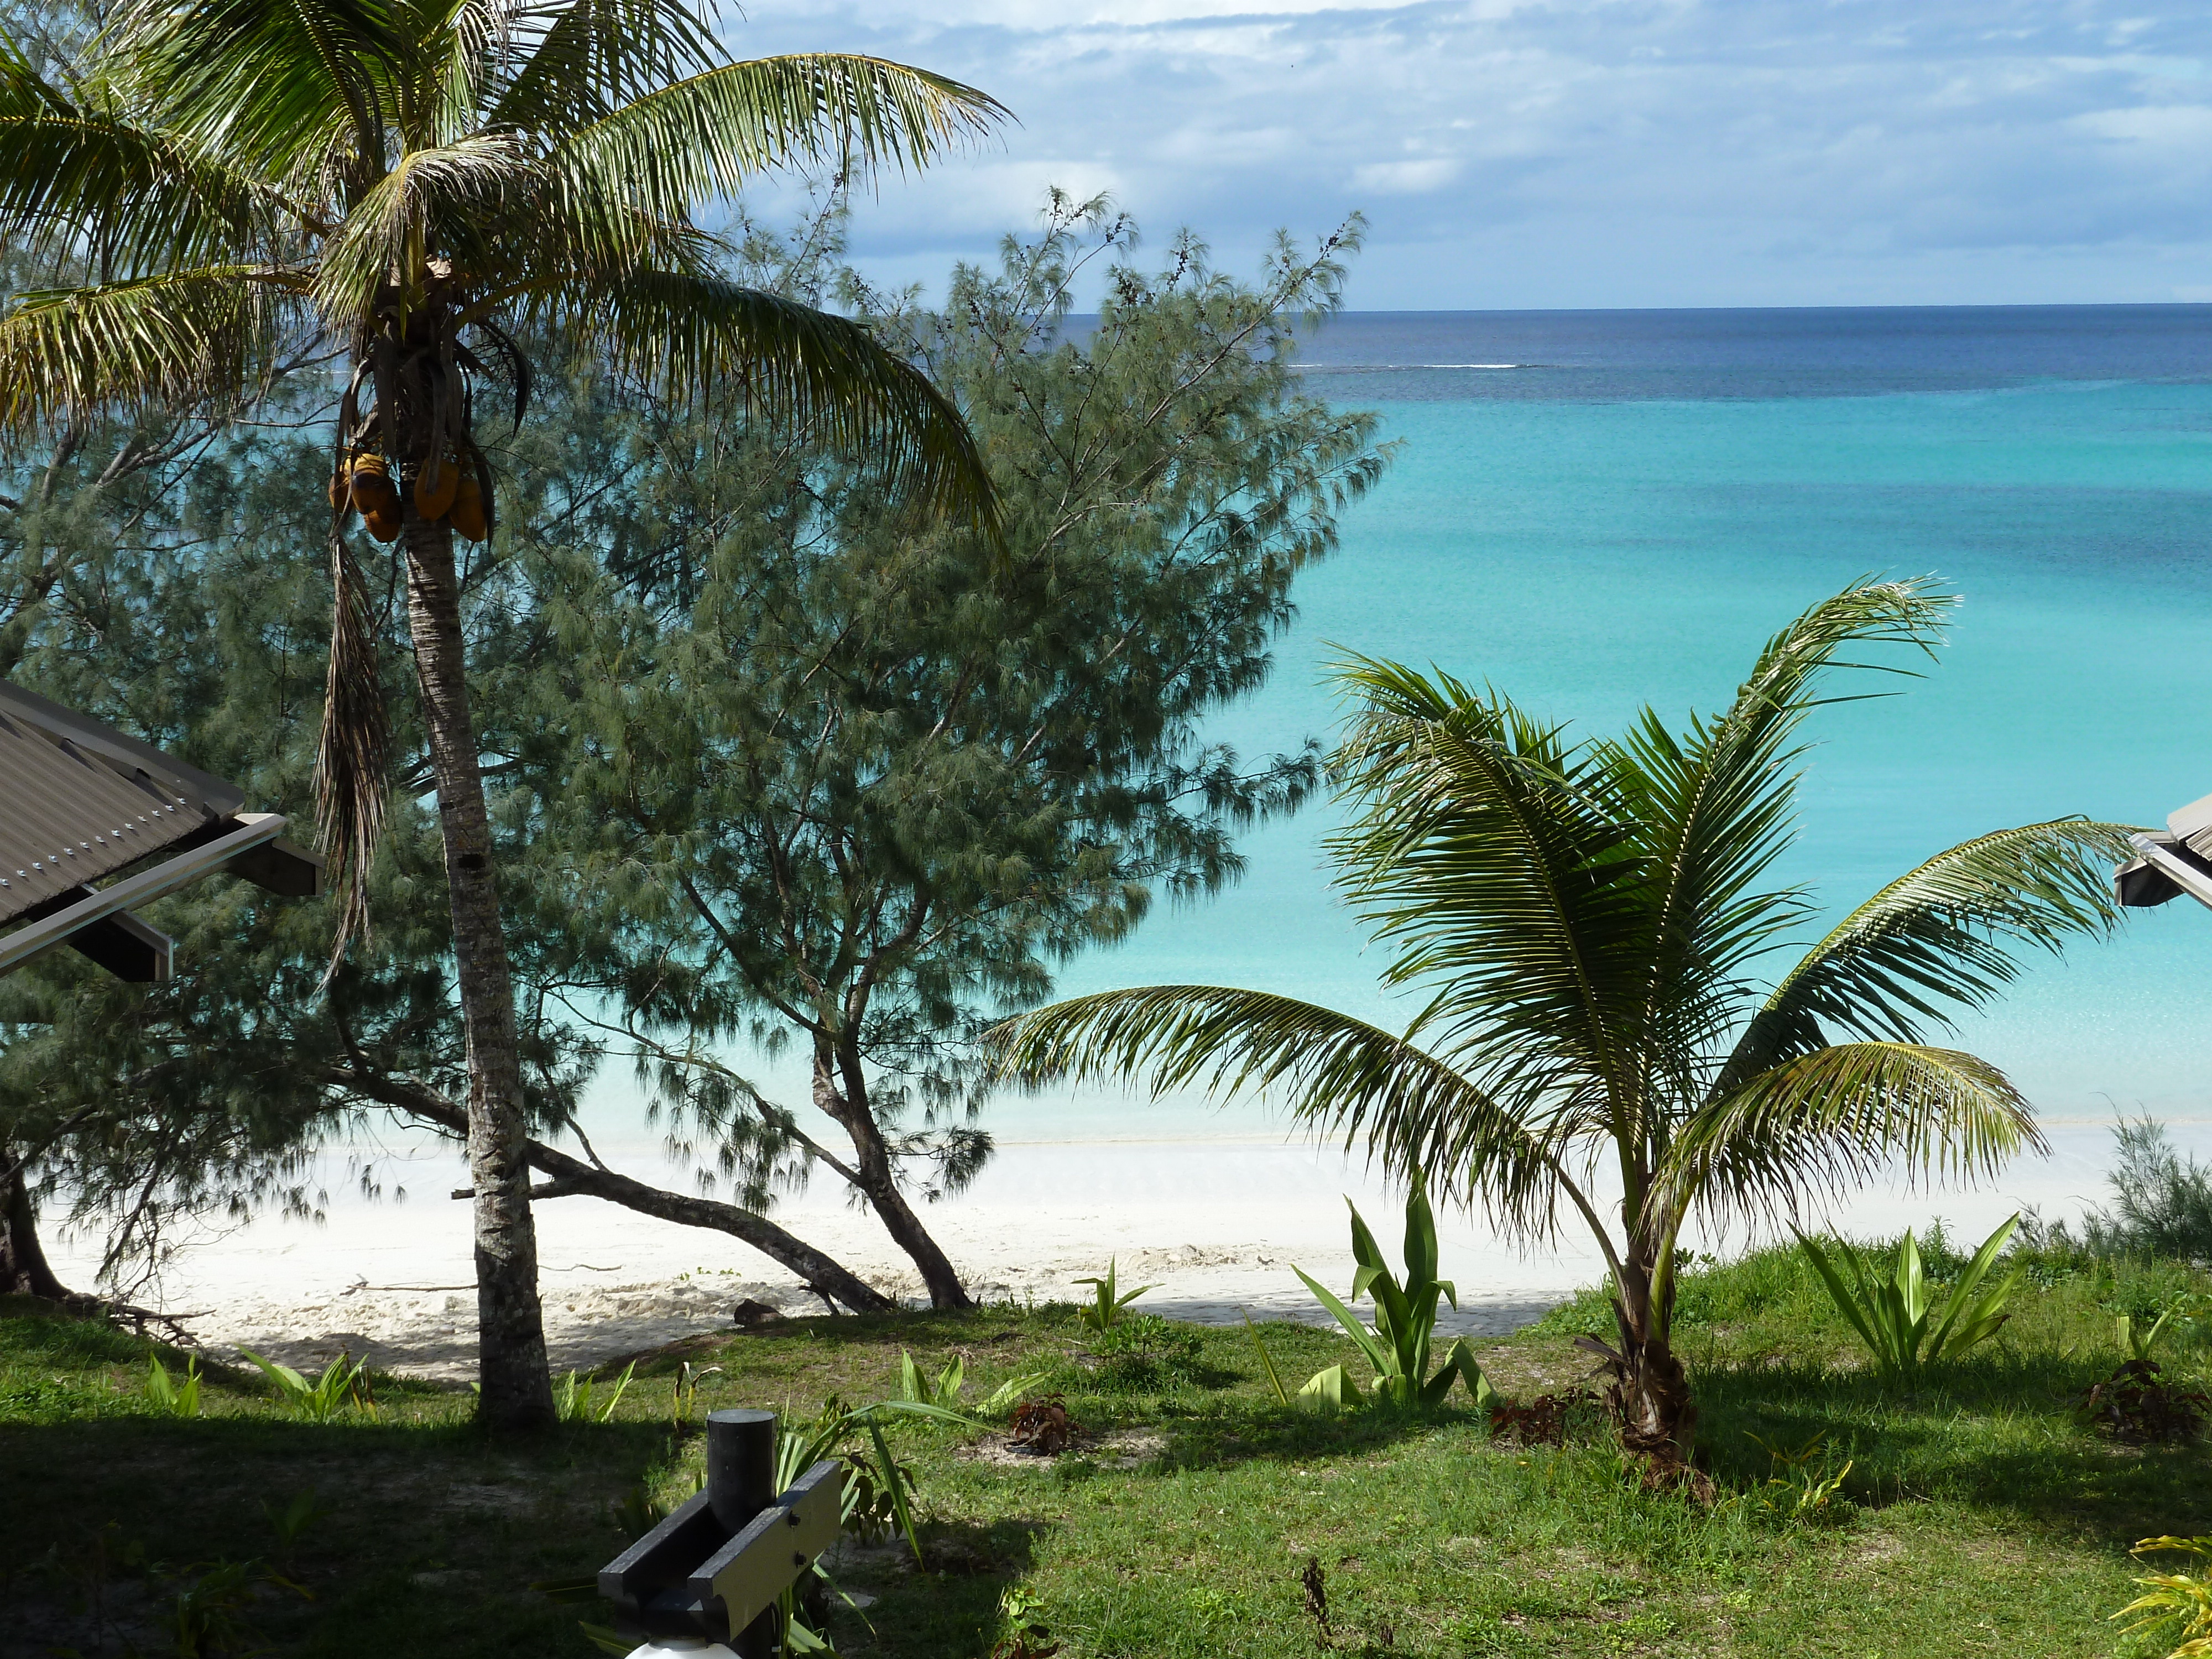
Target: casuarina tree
(1586, 924)
(390, 193)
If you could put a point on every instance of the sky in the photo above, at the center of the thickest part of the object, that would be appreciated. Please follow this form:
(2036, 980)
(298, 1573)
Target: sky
(1578, 153)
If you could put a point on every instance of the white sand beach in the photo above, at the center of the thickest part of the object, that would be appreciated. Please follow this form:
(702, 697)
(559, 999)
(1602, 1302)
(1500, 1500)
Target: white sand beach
(1215, 1223)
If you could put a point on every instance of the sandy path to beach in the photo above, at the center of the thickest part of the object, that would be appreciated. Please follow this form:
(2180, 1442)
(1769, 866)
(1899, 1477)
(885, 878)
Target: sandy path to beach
(1214, 1223)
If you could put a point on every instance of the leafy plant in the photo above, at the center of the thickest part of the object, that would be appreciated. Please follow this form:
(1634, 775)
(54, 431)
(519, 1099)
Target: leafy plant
(207, 1617)
(1905, 1333)
(2137, 1403)
(176, 1400)
(2178, 1605)
(1589, 926)
(2138, 1341)
(291, 1523)
(343, 1384)
(1043, 1425)
(1027, 1635)
(1804, 1485)
(577, 1401)
(684, 1392)
(945, 1389)
(1103, 1311)
(1144, 1351)
(1405, 1319)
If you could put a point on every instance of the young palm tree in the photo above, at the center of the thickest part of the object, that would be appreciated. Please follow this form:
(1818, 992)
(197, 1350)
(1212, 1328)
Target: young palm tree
(250, 185)
(1585, 919)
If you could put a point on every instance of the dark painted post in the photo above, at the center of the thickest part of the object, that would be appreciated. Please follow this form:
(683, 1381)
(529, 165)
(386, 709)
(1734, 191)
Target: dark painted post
(740, 1484)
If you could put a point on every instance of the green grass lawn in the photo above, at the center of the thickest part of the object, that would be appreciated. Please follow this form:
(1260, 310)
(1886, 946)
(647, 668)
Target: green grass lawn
(1975, 1515)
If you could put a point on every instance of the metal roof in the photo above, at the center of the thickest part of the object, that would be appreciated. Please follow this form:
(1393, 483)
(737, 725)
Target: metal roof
(79, 801)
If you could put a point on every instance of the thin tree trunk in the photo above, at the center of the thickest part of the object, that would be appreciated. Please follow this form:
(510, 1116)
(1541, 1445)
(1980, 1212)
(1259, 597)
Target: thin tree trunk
(23, 1267)
(511, 1366)
(878, 1183)
(1650, 1392)
(823, 1275)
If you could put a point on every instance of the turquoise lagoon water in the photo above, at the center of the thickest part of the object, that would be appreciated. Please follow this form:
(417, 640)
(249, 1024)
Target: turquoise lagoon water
(1625, 514)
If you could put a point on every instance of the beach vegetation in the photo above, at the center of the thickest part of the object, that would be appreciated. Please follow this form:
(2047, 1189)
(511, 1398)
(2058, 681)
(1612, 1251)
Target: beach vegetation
(178, 1398)
(391, 195)
(1181, 1516)
(1905, 1329)
(655, 634)
(2174, 1606)
(2160, 1207)
(342, 1385)
(584, 1399)
(1396, 1347)
(1105, 1308)
(1592, 934)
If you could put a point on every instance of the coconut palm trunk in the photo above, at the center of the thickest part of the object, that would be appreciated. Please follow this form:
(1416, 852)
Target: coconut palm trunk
(415, 186)
(510, 1332)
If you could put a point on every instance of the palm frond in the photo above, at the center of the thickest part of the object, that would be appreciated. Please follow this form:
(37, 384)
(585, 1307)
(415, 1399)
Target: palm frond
(460, 202)
(714, 133)
(1481, 851)
(1941, 938)
(588, 59)
(87, 180)
(697, 337)
(353, 750)
(1713, 808)
(1339, 1076)
(189, 339)
(274, 85)
(1839, 1116)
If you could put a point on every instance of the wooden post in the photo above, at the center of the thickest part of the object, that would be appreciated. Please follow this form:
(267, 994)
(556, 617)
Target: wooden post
(740, 1484)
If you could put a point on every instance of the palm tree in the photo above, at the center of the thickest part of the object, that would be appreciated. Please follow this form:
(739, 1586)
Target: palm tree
(247, 186)
(1586, 919)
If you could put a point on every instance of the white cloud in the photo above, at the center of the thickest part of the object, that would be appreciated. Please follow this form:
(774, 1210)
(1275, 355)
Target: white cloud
(1405, 177)
(1517, 151)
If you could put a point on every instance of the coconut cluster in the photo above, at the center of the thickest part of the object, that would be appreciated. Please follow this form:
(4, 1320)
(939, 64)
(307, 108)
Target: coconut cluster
(443, 489)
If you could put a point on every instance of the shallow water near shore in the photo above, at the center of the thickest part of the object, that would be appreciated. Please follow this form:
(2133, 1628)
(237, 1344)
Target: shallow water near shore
(1618, 511)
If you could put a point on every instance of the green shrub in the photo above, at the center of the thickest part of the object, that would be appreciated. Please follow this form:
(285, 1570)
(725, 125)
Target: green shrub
(1142, 1351)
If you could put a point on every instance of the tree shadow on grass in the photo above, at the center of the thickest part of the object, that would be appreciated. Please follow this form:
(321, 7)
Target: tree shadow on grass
(423, 1538)
(947, 1605)
(1998, 1433)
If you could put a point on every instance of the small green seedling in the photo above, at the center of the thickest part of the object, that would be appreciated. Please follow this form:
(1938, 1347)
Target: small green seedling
(576, 1400)
(2138, 1341)
(683, 1393)
(1104, 1311)
(175, 1399)
(343, 1384)
(943, 1390)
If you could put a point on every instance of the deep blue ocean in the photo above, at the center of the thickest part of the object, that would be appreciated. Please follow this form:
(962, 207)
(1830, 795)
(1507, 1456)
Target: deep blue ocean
(1596, 510)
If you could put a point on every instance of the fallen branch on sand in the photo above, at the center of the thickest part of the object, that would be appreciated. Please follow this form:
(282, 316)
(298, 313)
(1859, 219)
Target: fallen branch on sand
(572, 1177)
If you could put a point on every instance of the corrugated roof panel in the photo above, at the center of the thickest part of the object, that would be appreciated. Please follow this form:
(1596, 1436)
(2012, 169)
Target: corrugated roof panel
(70, 813)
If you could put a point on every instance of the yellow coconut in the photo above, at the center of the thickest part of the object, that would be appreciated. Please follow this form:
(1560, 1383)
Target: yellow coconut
(466, 514)
(373, 490)
(384, 526)
(434, 501)
(339, 488)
